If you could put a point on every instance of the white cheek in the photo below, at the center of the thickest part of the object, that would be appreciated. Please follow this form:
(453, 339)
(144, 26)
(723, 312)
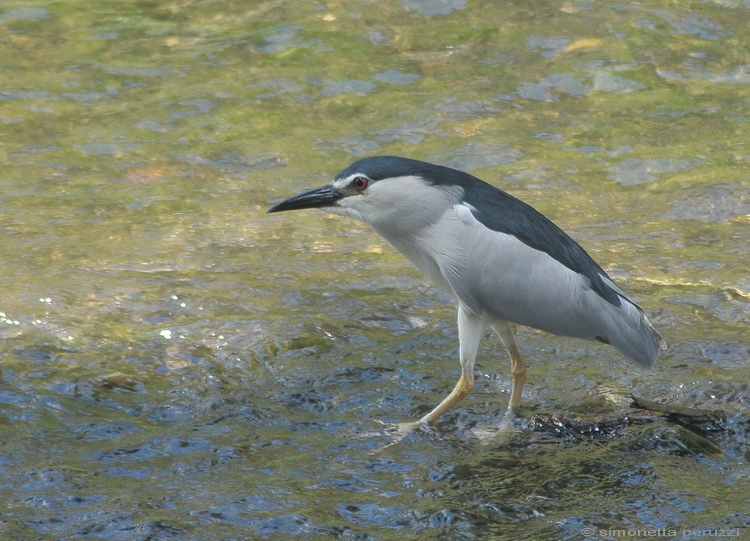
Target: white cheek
(404, 203)
(347, 207)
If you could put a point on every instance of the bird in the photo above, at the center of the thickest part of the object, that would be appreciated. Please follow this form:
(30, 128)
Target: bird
(503, 262)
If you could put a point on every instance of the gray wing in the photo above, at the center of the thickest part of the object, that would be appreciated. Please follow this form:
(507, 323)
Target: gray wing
(504, 213)
(496, 275)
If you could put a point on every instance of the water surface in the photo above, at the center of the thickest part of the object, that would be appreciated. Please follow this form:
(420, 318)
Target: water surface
(176, 364)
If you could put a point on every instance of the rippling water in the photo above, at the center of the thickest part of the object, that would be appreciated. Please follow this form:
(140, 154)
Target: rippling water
(176, 364)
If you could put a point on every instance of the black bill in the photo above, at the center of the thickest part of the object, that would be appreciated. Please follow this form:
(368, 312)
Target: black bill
(324, 196)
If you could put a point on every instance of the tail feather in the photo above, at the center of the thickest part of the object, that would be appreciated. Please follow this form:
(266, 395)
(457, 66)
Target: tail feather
(630, 331)
(632, 334)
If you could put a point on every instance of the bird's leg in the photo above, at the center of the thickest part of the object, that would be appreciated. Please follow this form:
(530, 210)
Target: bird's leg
(459, 392)
(470, 330)
(518, 371)
(517, 366)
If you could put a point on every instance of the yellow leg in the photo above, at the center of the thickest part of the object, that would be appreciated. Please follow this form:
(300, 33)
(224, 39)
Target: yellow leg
(517, 366)
(459, 392)
(518, 371)
(471, 327)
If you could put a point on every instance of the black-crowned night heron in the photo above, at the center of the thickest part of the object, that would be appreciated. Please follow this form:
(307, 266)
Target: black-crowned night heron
(501, 260)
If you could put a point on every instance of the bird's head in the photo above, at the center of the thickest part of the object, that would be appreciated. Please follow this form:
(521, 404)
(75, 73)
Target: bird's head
(382, 189)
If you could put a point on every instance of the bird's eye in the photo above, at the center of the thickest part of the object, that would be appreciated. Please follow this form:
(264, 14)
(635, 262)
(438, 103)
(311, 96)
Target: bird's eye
(360, 183)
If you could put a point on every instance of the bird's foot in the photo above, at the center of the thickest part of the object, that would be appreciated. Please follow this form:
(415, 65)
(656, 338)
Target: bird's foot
(509, 419)
(509, 426)
(398, 431)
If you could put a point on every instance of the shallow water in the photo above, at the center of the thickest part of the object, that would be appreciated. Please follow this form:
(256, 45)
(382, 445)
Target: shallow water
(175, 363)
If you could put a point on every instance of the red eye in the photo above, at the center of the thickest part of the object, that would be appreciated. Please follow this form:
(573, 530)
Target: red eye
(360, 183)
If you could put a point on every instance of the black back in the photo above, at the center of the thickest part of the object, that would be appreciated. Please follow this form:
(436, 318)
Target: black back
(497, 210)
